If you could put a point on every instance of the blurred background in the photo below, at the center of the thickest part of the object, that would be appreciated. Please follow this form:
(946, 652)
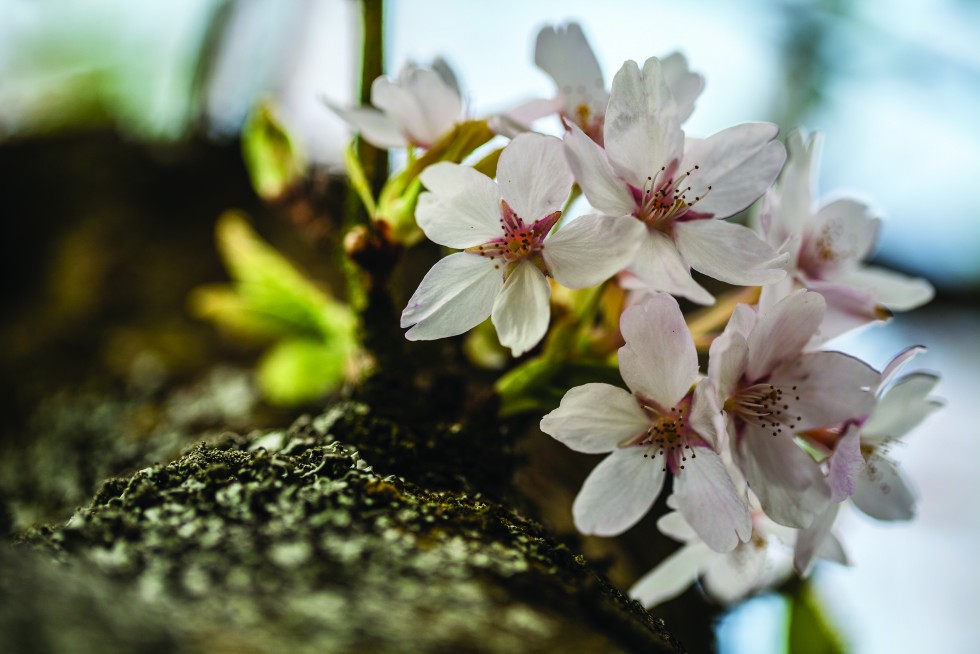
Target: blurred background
(119, 147)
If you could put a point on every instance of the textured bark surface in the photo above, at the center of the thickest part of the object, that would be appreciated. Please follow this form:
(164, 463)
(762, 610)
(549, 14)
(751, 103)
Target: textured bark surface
(304, 540)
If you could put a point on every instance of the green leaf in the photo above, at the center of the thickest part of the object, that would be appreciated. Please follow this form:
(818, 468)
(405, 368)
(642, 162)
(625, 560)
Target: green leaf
(810, 632)
(273, 295)
(298, 371)
(538, 384)
(272, 157)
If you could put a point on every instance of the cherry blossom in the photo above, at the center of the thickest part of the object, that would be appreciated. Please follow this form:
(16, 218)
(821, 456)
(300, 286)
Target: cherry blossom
(770, 390)
(827, 245)
(509, 250)
(678, 187)
(565, 55)
(762, 561)
(653, 428)
(416, 108)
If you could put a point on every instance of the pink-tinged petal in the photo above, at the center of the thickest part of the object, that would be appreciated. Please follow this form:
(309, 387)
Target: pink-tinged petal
(832, 387)
(789, 484)
(728, 355)
(675, 526)
(738, 163)
(684, 85)
(454, 296)
(734, 575)
(564, 53)
(842, 231)
(811, 540)
(377, 129)
(845, 464)
(711, 504)
(659, 359)
(781, 333)
(772, 293)
(603, 188)
(534, 177)
(706, 415)
(462, 208)
(642, 130)
(595, 418)
(618, 492)
(901, 408)
(729, 252)
(672, 576)
(521, 311)
(591, 249)
(883, 493)
(659, 266)
(847, 308)
(896, 291)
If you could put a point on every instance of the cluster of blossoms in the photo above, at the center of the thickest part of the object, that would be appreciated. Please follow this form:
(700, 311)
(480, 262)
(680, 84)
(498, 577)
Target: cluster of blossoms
(763, 446)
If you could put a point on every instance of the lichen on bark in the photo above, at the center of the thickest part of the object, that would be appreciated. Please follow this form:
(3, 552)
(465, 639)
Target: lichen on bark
(300, 540)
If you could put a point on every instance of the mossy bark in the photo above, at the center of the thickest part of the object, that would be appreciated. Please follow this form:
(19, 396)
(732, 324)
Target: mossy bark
(306, 540)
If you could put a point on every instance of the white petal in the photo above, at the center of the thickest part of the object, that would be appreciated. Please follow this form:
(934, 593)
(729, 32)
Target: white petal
(810, 540)
(711, 504)
(533, 175)
(734, 575)
(564, 53)
(898, 362)
(796, 184)
(684, 85)
(642, 130)
(789, 484)
(674, 525)
(603, 188)
(845, 464)
(883, 493)
(832, 387)
(738, 163)
(420, 101)
(521, 311)
(659, 359)
(847, 309)
(618, 492)
(728, 357)
(658, 265)
(462, 208)
(902, 407)
(781, 333)
(672, 576)
(729, 252)
(454, 296)
(892, 289)
(591, 249)
(595, 418)
(842, 231)
(706, 416)
(377, 129)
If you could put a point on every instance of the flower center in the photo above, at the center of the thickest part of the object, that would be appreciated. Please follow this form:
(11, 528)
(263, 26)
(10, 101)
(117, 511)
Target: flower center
(668, 435)
(519, 240)
(591, 124)
(664, 198)
(765, 406)
(825, 251)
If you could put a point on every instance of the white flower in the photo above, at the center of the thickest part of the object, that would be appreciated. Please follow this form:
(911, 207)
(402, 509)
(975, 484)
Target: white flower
(655, 428)
(416, 108)
(827, 246)
(762, 562)
(565, 55)
(678, 188)
(504, 230)
(771, 390)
